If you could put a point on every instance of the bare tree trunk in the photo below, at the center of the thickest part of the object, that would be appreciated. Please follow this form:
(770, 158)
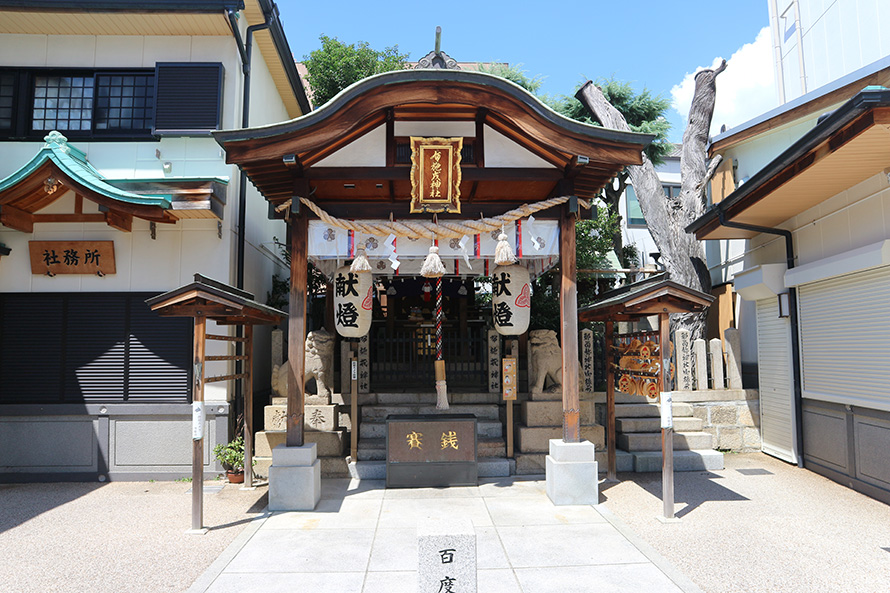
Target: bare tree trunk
(682, 255)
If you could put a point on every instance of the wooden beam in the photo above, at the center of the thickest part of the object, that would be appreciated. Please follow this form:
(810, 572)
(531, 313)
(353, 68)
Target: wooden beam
(119, 220)
(479, 148)
(390, 138)
(14, 218)
(248, 405)
(76, 217)
(403, 173)
(568, 313)
(299, 239)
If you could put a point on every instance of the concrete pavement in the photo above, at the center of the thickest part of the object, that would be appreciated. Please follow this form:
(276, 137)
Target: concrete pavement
(362, 538)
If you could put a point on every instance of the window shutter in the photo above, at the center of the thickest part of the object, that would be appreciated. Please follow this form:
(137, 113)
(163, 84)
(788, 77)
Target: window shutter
(188, 98)
(32, 328)
(160, 352)
(95, 348)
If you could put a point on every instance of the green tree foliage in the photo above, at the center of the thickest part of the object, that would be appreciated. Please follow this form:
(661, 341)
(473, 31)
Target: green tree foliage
(515, 74)
(337, 65)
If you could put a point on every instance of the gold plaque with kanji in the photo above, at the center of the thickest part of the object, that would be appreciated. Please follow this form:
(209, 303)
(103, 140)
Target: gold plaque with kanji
(435, 174)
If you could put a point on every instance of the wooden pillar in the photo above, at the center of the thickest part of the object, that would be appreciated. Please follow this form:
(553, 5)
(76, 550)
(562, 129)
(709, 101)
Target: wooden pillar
(198, 444)
(353, 402)
(612, 459)
(296, 341)
(329, 307)
(248, 405)
(568, 313)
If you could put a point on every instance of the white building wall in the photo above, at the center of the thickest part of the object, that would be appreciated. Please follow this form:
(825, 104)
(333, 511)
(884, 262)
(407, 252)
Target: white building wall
(180, 250)
(837, 36)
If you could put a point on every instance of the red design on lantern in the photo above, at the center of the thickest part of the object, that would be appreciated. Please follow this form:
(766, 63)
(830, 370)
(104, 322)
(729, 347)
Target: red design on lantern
(368, 302)
(524, 299)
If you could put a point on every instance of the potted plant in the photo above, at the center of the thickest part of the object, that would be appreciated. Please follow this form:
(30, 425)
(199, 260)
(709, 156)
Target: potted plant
(231, 456)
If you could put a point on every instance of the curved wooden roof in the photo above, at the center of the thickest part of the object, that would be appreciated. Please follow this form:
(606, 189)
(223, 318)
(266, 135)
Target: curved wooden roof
(276, 156)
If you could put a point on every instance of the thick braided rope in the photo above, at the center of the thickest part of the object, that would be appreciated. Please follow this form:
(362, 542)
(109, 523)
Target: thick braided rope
(429, 230)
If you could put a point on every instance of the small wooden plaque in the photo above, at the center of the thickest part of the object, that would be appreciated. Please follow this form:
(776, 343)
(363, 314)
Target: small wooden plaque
(510, 378)
(72, 257)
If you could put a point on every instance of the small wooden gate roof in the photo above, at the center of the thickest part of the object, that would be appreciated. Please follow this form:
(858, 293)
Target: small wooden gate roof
(214, 300)
(654, 295)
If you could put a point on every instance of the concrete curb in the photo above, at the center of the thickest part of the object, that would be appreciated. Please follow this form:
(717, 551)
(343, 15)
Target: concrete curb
(662, 563)
(203, 582)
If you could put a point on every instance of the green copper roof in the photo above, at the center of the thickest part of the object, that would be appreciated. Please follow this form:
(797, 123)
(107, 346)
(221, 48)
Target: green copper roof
(73, 163)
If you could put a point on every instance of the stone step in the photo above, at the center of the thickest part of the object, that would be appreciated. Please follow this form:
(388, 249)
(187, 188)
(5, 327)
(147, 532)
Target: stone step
(484, 428)
(328, 444)
(536, 439)
(651, 441)
(684, 461)
(487, 468)
(626, 398)
(651, 410)
(681, 424)
(532, 464)
(378, 413)
(375, 449)
(549, 413)
(454, 398)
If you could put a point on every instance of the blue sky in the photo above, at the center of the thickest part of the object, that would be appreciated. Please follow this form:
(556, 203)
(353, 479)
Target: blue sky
(651, 44)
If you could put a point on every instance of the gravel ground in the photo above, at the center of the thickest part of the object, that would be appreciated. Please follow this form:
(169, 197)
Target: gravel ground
(788, 530)
(114, 537)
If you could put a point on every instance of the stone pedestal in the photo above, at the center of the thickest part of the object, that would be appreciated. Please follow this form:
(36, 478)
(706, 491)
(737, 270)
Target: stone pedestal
(294, 478)
(572, 473)
(446, 556)
(700, 353)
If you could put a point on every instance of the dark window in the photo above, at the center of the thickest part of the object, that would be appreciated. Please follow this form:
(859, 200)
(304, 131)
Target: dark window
(176, 99)
(105, 347)
(634, 212)
(7, 98)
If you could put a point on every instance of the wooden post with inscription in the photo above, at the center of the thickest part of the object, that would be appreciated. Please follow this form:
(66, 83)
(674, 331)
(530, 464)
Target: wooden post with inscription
(568, 313)
(198, 443)
(612, 458)
(296, 342)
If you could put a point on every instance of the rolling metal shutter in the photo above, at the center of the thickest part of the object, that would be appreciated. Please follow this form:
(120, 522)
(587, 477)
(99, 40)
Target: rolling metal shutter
(104, 347)
(776, 383)
(845, 339)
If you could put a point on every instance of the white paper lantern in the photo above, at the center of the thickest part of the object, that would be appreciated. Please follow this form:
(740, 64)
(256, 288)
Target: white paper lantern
(511, 299)
(353, 301)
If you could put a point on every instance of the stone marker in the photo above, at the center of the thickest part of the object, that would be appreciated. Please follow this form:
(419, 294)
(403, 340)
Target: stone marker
(446, 556)
(587, 360)
(683, 363)
(717, 364)
(700, 354)
(733, 357)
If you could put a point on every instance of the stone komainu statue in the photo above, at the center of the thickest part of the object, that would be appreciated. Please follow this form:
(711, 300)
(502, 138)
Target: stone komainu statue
(319, 364)
(546, 359)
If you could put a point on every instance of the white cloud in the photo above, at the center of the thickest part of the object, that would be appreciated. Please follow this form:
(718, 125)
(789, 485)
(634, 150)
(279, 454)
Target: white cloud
(745, 89)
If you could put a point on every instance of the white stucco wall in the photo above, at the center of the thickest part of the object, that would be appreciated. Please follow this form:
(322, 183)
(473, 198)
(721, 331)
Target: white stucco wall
(180, 250)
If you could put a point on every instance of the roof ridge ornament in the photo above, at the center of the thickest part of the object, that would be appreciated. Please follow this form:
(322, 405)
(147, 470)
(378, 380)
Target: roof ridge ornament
(55, 139)
(437, 59)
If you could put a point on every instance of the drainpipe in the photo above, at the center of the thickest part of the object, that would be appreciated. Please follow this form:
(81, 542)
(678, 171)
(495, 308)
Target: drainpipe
(793, 318)
(246, 51)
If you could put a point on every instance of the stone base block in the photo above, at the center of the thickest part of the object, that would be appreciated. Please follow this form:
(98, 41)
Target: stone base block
(684, 461)
(275, 417)
(572, 473)
(535, 439)
(330, 444)
(446, 554)
(318, 400)
(294, 479)
(324, 418)
(550, 413)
